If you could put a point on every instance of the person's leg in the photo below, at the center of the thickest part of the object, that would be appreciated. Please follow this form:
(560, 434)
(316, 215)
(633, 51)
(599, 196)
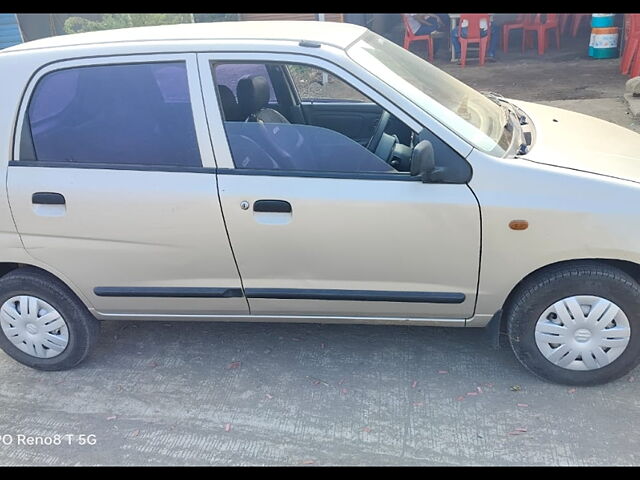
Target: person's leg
(455, 42)
(493, 41)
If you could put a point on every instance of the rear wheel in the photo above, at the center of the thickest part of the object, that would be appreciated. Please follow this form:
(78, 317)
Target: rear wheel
(577, 324)
(43, 324)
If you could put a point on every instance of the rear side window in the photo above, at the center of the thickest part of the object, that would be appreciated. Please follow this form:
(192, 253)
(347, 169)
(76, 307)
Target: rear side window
(129, 114)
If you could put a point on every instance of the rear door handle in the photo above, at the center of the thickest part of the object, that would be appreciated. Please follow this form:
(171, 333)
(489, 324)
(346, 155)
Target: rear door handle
(48, 198)
(278, 206)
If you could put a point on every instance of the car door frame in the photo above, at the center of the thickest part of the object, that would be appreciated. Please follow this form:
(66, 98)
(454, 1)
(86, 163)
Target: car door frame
(201, 298)
(226, 164)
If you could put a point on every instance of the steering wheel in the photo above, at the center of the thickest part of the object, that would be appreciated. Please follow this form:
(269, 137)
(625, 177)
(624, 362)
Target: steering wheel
(372, 145)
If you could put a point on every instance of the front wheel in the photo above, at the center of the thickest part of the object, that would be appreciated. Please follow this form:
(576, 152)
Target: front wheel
(576, 325)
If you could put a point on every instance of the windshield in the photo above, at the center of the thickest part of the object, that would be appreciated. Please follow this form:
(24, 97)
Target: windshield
(467, 112)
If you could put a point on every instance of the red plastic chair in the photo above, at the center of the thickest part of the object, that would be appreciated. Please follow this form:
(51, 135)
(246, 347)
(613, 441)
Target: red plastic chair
(473, 35)
(631, 57)
(410, 37)
(517, 24)
(541, 30)
(577, 20)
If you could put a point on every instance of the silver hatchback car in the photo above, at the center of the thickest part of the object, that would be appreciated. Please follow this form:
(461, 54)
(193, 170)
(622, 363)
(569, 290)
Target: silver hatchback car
(306, 172)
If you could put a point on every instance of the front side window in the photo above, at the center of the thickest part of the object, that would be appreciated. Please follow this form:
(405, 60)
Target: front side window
(128, 114)
(264, 133)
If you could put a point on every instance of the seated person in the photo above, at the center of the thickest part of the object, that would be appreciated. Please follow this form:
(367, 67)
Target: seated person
(493, 41)
(427, 24)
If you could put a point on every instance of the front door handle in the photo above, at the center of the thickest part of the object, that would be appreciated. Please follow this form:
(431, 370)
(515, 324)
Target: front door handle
(278, 206)
(47, 198)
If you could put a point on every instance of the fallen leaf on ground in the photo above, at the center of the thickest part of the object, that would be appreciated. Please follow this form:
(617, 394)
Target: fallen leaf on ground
(413, 385)
(234, 365)
(317, 381)
(227, 427)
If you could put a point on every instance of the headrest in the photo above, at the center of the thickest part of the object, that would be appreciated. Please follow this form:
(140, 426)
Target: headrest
(253, 94)
(229, 104)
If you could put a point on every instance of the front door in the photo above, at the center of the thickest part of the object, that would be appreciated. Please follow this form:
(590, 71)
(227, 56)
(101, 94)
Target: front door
(321, 226)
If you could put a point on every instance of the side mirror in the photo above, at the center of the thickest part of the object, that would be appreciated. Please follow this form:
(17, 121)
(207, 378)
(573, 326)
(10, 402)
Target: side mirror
(423, 163)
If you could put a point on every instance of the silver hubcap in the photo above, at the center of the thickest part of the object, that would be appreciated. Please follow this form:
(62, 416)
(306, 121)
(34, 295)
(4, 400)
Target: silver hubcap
(583, 332)
(34, 326)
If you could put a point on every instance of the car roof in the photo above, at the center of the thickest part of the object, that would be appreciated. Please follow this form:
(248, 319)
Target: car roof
(332, 33)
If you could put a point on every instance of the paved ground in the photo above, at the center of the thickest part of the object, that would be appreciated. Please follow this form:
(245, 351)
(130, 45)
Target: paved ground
(249, 394)
(258, 394)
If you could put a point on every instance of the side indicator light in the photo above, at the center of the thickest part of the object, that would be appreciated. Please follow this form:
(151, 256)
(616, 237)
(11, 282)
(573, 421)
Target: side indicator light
(518, 224)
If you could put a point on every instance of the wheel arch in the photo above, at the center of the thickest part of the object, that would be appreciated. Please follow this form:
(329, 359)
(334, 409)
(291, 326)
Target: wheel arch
(7, 267)
(626, 266)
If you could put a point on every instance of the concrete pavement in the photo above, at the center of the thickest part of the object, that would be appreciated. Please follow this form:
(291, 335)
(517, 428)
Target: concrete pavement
(260, 394)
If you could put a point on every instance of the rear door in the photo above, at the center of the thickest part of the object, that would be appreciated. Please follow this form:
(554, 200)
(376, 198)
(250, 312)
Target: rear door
(113, 185)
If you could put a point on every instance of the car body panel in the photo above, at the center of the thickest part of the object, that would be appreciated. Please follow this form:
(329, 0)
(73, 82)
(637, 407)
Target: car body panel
(126, 229)
(577, 141)
(571, 215)
(355, 234)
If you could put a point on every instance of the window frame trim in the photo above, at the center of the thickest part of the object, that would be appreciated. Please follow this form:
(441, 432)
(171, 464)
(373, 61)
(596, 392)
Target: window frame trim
(198, 112)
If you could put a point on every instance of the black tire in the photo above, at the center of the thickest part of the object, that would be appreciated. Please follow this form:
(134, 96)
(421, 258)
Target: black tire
(83, 327)
(537, 293)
